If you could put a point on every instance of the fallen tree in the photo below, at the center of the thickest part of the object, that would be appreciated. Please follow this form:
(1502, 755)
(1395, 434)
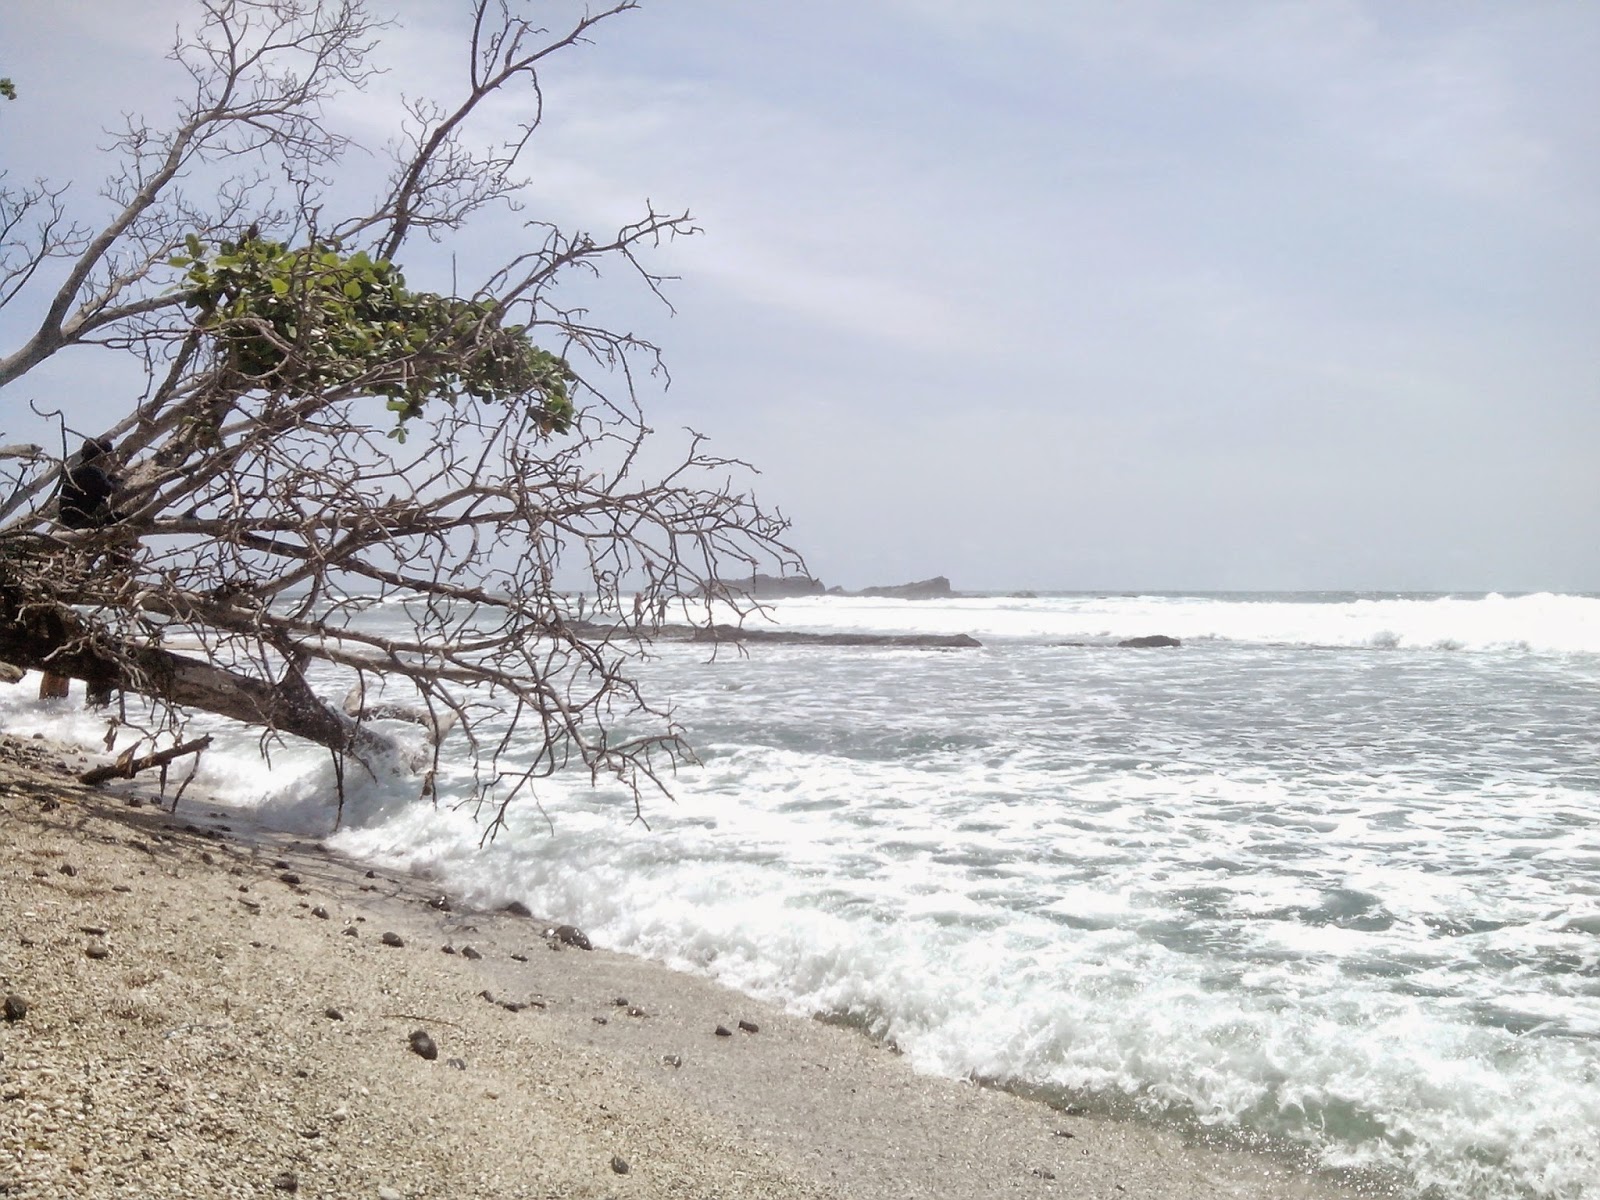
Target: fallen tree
(316, 440)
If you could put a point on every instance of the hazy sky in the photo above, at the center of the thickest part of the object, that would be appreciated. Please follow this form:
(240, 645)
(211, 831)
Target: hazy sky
(1067, 293)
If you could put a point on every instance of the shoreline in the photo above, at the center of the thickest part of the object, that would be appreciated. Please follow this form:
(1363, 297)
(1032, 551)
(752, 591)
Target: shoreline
(199, 1056)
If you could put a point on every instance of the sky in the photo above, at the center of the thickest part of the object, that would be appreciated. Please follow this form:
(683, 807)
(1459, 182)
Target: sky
(1057, 294)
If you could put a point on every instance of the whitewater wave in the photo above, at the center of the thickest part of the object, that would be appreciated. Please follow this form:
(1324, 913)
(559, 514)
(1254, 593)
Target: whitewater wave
(1544, 622)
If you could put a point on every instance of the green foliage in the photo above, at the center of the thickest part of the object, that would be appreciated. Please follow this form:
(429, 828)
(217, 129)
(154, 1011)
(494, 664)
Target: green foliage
(314, 319)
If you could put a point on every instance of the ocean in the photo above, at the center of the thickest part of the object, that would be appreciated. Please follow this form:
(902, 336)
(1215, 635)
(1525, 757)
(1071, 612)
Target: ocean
(1324, 880)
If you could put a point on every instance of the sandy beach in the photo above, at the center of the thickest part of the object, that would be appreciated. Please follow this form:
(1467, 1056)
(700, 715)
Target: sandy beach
(198, 1008)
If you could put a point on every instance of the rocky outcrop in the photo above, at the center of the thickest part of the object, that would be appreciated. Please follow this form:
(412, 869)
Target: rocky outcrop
(776, 587)
(1149, 641)
(923, 589)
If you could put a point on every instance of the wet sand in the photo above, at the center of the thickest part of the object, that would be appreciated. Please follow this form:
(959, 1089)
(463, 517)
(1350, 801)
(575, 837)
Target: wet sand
(233, 1041)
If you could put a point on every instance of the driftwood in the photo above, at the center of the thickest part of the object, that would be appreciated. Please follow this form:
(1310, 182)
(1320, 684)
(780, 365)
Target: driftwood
(127, 766)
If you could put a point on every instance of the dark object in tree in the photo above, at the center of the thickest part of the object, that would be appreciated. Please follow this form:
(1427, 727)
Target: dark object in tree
(87, 488)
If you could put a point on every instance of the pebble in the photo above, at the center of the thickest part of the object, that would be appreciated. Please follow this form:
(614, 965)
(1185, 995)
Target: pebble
(97, 949)
(459, 1064)
(422, 1045)
(571, 935)
(672, 1060)
(332, 1013)
(15, 1007)
(749, 1027)
(469, 952)
(320, 913)
(67, 869)
(620, 1164)
(281, 864)
(287, 1182)
(289, 877)
(350, 931)
(724, 1031)
(519, 958)
(448, 949)
(518, 909)
(441, 903)
(392, 939)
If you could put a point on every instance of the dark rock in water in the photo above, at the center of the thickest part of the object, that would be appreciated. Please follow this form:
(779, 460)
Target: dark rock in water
(286, 1182)
(518, 909)
(570, 935)
(448, 949)
(422, 1045)
(740, 633)
(723, 1031)
(320, 913)
(519, 958)
(469, 952)
(332, 1013)
(749, 1027)
(392, 939)
(440, 903)
(289, 877)
(922, 589)
(15, 1007)
(620, 1164)
(350, 931)
(1150, 641)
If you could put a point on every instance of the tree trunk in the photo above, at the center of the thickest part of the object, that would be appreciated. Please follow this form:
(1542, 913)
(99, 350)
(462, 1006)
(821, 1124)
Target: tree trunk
(61, 643)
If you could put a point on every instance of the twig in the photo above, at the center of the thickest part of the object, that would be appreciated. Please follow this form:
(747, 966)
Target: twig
(126, 767)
